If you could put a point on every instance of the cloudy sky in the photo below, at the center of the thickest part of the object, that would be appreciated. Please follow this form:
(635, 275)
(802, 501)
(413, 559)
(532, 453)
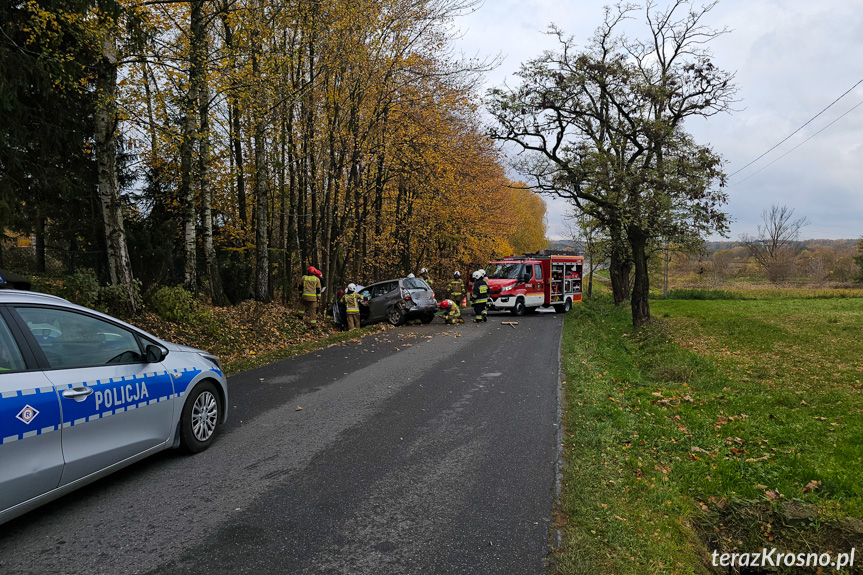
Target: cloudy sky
(792, 59)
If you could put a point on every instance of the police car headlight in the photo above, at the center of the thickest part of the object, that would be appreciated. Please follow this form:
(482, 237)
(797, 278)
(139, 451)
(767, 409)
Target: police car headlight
(214, 359)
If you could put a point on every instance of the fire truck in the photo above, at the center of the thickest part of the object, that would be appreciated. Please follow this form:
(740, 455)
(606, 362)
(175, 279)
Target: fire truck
(529, 282)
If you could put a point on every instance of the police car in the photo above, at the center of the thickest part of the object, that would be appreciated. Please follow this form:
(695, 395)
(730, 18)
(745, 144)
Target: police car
(83, 394)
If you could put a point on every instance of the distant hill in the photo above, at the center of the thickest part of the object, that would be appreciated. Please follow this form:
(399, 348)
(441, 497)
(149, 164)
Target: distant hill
(566, 245)
(727, 245)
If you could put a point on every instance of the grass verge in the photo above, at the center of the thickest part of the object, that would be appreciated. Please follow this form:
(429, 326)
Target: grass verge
(724, 425)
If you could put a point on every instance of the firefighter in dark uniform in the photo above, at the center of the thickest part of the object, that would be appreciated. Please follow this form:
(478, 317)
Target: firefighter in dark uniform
(479, 298)
(352, 306)
(456, 288)
(310, 287)
(451, 313)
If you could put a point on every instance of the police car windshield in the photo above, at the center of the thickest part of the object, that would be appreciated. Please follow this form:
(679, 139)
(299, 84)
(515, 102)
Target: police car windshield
(415, 283)
(503, 271)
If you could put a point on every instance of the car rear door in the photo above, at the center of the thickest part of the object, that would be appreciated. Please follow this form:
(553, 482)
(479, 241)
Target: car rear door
(31, 455)
(114, 404)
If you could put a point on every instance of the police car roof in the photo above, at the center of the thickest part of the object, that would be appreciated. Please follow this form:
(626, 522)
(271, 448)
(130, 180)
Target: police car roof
(22, 296)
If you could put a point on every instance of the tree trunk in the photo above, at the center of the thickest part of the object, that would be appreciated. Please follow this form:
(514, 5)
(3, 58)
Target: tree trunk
(641, 286)
(214, 277)
(234, 126)
(618, 270)
(262, 259)
(187, 145)
(105, 124)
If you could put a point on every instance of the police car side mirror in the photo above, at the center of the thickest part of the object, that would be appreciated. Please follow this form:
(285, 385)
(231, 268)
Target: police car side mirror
(155, 354)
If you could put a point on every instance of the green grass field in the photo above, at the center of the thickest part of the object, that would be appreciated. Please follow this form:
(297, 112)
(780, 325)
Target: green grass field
(724, 425)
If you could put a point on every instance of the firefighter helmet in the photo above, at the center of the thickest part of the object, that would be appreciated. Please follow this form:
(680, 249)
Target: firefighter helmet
(352, 288)
(457, 274)
(315, 271)
(445, 304)
(424, 272)
(478, 274)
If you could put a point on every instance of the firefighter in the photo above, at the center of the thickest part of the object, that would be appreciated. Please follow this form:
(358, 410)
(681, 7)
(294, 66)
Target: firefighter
(352, 306)
(479, 298)
(451, 313)
(424, 274)
(456, 288)
(310, 287)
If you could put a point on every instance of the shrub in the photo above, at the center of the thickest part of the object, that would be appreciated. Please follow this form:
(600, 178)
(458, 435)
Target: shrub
(174, 304)
(81, 288)
(114, 300)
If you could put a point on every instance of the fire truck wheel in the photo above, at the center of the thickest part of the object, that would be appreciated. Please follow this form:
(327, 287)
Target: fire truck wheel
(518, 308)
(565, 307)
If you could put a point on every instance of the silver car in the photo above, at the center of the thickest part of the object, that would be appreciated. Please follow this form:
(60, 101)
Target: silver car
(83, 394)
(396, 301)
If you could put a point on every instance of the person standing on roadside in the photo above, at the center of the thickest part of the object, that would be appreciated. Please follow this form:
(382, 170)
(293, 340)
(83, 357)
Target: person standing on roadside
(310, 288)
(352, 306)
(479, 298)
(456, 288)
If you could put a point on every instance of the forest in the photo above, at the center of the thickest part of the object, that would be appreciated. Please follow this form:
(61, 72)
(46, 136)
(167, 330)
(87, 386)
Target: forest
(224, 146)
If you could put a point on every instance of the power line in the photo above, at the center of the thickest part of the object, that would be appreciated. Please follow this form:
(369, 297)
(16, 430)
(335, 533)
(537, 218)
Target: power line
(798, 145)
(797, 130)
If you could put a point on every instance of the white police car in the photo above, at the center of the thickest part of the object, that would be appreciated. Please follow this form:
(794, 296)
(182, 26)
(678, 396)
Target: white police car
(83, 394)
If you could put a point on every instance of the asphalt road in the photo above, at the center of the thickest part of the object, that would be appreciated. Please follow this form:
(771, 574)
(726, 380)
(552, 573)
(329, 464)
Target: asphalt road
(424, 449)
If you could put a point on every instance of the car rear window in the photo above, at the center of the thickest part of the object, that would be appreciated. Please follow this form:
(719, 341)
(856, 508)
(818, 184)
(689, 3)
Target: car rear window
(415, 283)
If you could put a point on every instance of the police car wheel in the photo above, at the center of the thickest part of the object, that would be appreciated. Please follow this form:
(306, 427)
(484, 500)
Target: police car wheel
(201, 415)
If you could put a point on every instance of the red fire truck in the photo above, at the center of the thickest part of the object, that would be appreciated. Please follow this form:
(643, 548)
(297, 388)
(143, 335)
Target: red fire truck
(526, 283)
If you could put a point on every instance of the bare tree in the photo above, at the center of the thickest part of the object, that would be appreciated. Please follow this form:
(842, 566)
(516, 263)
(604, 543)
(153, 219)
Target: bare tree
(776, 245)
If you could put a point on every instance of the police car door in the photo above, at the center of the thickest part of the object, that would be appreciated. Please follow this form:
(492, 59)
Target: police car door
(31, 458)
(114, 404)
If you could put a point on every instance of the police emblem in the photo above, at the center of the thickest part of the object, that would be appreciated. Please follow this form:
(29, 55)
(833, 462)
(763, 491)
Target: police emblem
(27, 414)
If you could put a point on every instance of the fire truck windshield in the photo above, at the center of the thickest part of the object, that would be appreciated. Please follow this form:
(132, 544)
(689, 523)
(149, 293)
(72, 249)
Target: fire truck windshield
(504, 271)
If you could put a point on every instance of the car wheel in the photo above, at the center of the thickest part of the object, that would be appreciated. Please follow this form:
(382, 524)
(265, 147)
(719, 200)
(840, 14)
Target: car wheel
(427, 318)
(565, 307)
(518, 308)
(396, 315)
(202, 413)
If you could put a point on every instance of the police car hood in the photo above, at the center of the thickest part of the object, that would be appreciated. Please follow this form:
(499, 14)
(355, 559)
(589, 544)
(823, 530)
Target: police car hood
(178, 347)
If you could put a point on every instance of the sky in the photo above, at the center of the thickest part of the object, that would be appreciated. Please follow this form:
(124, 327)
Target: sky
(791, 60)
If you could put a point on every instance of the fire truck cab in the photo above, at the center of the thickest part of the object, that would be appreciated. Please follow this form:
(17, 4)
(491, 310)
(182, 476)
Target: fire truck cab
(529, 282)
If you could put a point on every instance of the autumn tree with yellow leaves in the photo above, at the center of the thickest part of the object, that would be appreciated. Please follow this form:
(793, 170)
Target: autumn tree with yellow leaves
(266, 137)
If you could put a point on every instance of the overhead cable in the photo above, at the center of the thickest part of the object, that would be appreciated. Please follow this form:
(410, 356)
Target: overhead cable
(797, 130)
(798, 145)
